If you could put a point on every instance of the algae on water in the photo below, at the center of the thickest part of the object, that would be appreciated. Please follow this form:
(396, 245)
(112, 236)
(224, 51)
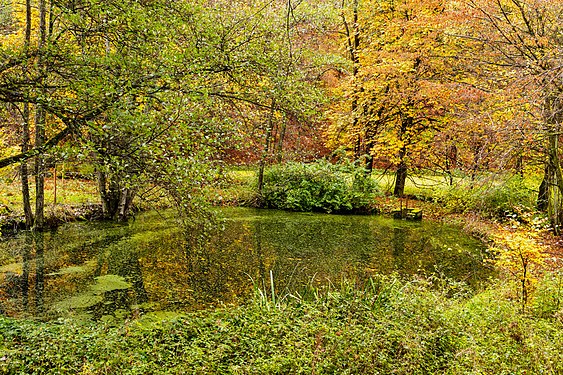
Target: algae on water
(75, 269)
(81, 301)
(94, 294)
(107, 283)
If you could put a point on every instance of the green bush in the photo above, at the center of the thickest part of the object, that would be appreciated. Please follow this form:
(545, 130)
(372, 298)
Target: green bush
(508, 198)
(320, 187)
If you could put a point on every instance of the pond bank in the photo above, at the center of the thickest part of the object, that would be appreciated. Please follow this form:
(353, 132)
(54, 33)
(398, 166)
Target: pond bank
(391, 326)
(486, 229)
(11, 223)
(239, 191)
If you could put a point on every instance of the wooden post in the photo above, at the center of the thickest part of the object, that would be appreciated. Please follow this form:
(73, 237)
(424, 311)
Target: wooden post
(55, 184)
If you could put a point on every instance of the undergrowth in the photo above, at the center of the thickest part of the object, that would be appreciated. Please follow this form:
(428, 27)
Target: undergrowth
(319, 186)
(386, 326)
(509, 198)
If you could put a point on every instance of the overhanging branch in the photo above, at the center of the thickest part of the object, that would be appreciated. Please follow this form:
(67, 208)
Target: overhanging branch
(36, 150)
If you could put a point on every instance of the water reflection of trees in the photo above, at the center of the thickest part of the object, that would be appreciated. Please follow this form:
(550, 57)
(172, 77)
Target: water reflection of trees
(19, 289)
(302, 251)
(121, 260)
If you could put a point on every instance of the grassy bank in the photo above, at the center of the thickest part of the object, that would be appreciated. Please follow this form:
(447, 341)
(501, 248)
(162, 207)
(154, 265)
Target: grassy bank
(490, 195)
(388, 326)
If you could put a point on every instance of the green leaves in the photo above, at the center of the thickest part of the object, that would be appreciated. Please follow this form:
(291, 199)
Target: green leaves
(317, 187)
(389, 326)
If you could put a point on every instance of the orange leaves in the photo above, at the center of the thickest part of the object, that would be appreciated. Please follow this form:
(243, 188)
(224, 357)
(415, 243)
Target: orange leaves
(401, 71)
(440, 66)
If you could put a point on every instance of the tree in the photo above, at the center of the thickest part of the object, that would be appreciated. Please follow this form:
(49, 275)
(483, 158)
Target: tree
(287, 80)
(113, 70)
(522, 38)
(25, 133)
(95, 60)
(398, 87)
(40, 118)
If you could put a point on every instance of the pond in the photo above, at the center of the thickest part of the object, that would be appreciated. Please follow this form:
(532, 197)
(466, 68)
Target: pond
(96, 270)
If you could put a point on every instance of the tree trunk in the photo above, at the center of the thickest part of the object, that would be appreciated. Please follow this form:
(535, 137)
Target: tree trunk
(369, 162)
(39, 170)
(281, 136)
(556, 193)
(401, 174)
(519, 167)
(40, 128)
(543, 190)
(551, 188)
(266, 149)
(400, 179)
(28, 212)
(109, 195)
(103, 192)
(116, 201)
(354, 51)
(125, 203)
(353, 45)
(554, 161)
(451, 161)
(25, 132)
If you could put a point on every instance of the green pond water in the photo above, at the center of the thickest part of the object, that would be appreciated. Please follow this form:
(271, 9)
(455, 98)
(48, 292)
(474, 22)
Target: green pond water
(96, 270)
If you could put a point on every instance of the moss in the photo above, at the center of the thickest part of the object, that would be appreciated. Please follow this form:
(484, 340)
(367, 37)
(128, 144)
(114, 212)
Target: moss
(94, 295)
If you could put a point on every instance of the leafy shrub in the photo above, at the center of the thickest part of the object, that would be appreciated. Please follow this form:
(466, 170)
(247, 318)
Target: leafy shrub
(508, 198)
(319, 186)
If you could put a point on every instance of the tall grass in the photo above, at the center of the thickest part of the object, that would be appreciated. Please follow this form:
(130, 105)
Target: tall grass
(508, 197)
(386, 326)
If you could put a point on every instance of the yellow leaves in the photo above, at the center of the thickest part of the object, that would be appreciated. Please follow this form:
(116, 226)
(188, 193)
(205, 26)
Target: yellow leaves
(401, 94)
(520, 253)
(17, 38)
(518, 250)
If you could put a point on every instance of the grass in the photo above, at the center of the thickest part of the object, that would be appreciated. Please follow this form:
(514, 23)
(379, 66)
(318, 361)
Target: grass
(237, 189)
(69, 192)
(414, 186)
(390, 325)
(386, 326)
(429, 186)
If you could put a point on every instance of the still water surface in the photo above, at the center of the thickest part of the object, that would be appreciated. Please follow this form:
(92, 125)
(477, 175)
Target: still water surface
(97, 270)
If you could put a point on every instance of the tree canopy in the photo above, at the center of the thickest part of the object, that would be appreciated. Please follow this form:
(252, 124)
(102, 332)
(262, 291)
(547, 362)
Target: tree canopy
(144, 89)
